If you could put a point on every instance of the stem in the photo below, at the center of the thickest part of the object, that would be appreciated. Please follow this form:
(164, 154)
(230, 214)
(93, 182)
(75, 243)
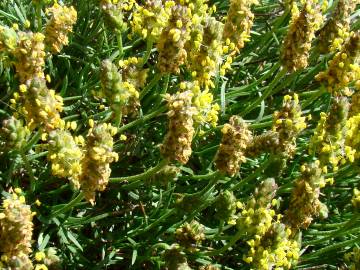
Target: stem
(232, 241)
(38, 16)
(151, 84)
(343, 228)
(68, 206)
(120, 44)
(72, 98)
(238, 90)
(141, 176)
(327, 249)
(204, 176)
(155, 223)
(118, 117)
(29, 170)
(32, 141)
(142, 120)
(269, 90)
(149, 45)
(252, 176)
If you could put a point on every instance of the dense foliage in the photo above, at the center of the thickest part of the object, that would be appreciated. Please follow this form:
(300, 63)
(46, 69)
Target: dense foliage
(182, 134)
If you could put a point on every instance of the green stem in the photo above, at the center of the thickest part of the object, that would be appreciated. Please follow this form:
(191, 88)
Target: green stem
(120, 44)
(252, 176)
(155, 223)
(35, 156)
(32, 141)
(142, 120)
(232, 241)
(72, 98)
(204, 176)
(149, 45)
(29, 170)
(268, 91)
(238, 90)
(160, 246)
(339, 231)
(38, 16)
(68, 206)
(118, 118)
(151, 84)
(327, 249)
(313, 97)
(141, 176)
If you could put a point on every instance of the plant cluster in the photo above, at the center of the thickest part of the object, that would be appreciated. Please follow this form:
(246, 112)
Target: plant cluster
(179, 134)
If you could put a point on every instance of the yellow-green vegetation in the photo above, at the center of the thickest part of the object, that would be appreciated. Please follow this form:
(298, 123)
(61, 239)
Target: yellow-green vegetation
(179, 134)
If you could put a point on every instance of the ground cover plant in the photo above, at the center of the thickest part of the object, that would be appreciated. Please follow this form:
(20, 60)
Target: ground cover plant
(182, 134)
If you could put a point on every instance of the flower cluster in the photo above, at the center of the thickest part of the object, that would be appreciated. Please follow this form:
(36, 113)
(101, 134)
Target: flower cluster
(13, 134)
(205, 60)
(356, 199)
(352, 259)
(16, 229)
(329, 136)
(8, 42)
(337, 29)
(225, 206)
(190, 235)
(206, 110)
(132, 72)
(263, 143)
(175, 259)
(287, 126)
(256, 217)
(150, 19)
(235, 139)
(65, 155)
(304, 200)
(297, 43)
(239, 21)
(62, 19)
(114, 12)
(40, 105)
(177, 141)
(275, 250)
(120, 94)
(342, 68)
(352, 140)
(97, 158)
(355, 104)
(288, 123)
(29, 56)
(171, 44)
(133, 75)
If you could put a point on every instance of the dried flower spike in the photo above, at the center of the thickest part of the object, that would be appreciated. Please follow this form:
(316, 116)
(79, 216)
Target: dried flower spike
(337, 29)
(235, 139)
(96, 163)
(190, 235)
(239, 21)
(304, 202)
(177, 141)
(171, 44)
(297, 43)
(343, 68)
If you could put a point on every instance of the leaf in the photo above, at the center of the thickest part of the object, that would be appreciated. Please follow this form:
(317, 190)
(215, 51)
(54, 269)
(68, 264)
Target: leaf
(134, 256)
(73, 239)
